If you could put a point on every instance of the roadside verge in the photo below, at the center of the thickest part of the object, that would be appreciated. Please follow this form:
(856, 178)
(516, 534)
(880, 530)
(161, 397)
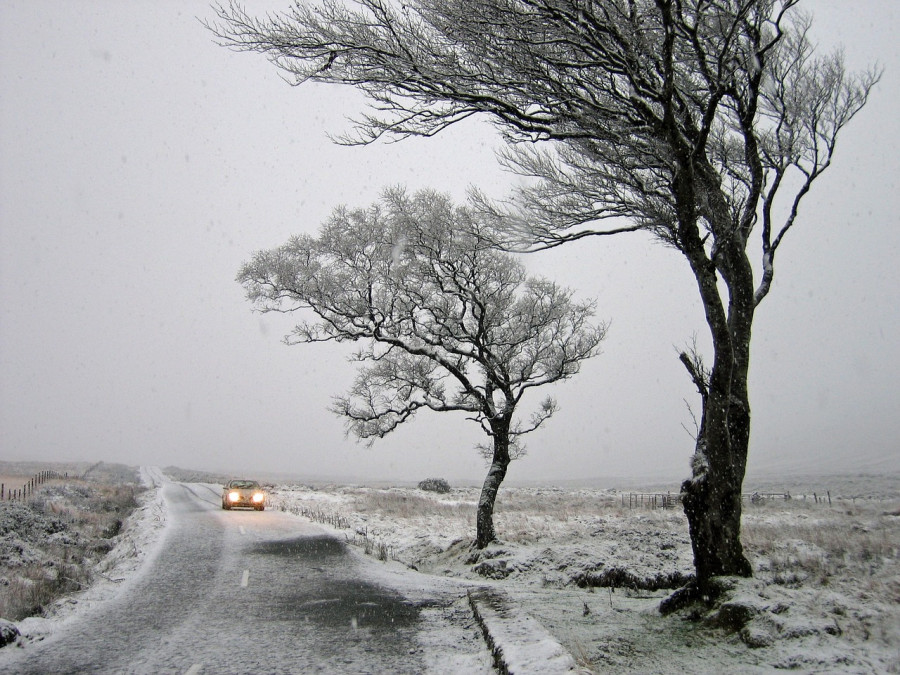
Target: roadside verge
(519, 643)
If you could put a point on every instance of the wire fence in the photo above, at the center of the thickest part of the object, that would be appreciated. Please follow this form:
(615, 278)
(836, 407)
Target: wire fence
(650, 500)
(27, 490)
(667, 500)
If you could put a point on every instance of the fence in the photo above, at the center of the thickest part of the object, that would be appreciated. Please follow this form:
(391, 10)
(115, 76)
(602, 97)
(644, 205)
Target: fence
(651, 500)
(666, 500)
(27, 490)
(760, 497)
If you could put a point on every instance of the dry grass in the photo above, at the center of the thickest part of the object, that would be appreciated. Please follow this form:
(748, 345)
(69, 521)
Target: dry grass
(33, 587)
(518, 513)
(84, 516)
(791, 543)
(563, 505)
(407, 504)
(403, 504)
(797, 542)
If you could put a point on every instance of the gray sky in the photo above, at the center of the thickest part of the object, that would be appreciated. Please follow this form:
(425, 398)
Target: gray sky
(140, 165)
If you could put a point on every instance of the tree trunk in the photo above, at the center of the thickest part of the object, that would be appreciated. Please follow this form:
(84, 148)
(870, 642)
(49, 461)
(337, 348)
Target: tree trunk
(484, 533)
(712, 503)
(712, 497)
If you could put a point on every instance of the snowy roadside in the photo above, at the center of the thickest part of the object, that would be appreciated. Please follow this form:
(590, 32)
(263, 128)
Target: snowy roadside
(592, 572)
(141, 537)
(138, 541)
(516, 641)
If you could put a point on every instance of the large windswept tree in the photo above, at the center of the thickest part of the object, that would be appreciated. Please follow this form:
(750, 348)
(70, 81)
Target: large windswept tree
(703, 122)
(448, 322)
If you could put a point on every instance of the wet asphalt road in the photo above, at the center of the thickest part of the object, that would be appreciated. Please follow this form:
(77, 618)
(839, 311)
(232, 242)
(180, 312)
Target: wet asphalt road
(241, 592)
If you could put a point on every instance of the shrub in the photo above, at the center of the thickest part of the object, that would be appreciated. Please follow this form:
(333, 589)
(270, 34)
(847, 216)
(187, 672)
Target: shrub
(435, 485)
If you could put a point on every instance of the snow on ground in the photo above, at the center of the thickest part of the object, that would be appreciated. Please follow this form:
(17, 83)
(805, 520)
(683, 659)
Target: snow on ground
(825, 598)
(137, 541)
(590, 572)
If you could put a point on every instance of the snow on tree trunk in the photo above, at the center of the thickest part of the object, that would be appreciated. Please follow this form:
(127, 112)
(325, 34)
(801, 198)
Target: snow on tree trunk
(484, 533)
(713, 509)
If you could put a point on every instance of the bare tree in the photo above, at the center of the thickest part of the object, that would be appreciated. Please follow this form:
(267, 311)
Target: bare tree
(448, 322)
(703, 122)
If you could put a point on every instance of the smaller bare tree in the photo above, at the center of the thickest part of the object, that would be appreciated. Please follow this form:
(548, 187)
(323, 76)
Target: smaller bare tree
(448, 322)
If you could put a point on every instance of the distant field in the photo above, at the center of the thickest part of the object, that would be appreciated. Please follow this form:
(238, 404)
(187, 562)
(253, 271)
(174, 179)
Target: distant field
(14, 477)
(16, 474)
(13, 481)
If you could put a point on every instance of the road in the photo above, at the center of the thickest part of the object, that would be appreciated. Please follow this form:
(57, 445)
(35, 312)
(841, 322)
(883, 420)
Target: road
(242, 591)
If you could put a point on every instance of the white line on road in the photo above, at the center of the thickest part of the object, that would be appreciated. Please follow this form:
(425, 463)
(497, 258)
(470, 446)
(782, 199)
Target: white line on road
(241, 528)
(194, 669)
(245, 578)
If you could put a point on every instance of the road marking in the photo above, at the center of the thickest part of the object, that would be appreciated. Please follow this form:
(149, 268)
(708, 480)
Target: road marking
(245, 578)
(194, 669)
(241, 528)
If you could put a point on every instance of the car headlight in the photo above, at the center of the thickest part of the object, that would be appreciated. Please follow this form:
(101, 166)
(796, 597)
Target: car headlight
(234, 496)
(258, 497)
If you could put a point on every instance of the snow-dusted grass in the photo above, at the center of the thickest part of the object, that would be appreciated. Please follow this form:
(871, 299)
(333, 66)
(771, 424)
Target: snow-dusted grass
(51, 542)
(138, 538)
(817, 545)
(825, 596)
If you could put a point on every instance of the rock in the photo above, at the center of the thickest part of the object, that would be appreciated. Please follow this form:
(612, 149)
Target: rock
(734, 614)
(104, 545)
(756, 636)
(8, 632)
(800, 628)
(493, 569)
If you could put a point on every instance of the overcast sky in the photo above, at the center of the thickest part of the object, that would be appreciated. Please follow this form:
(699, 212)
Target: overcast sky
(141, 164)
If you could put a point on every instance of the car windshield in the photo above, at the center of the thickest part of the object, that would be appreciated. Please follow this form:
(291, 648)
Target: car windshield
(244, 484)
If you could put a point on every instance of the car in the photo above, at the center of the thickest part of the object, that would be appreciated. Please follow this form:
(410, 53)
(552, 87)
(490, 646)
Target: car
(246, 493)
